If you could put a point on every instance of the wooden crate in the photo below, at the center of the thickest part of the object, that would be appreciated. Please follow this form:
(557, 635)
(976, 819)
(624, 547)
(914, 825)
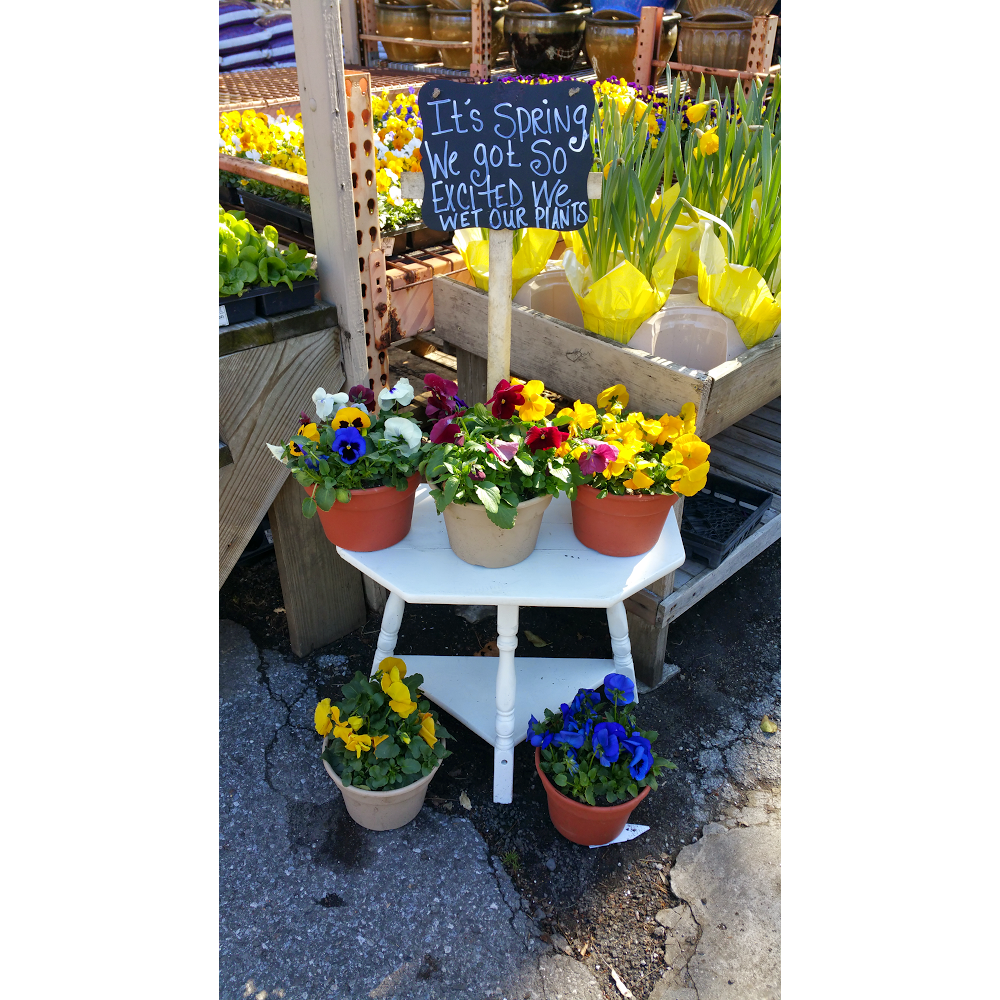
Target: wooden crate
(579, 364)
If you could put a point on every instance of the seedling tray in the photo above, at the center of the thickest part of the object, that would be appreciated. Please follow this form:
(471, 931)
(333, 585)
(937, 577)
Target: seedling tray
(721, 516)
(272, 301)
(296, 220)
(240, 308)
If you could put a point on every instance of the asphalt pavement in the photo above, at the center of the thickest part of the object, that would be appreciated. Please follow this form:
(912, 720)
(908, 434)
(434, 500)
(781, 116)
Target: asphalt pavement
(490, 901)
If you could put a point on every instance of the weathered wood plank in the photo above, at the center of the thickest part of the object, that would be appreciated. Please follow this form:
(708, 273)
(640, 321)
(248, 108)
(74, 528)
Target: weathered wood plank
(735, 436)
(680, 601)
(747, 452)
(569, 360)
(757, 425)
(735, 393)
(269, 330)
(739, 468)
(260, 394)
(322, 594)
(472, 377)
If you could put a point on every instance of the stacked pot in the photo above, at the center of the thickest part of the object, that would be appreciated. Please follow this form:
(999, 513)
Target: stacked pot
(613, 34)
(718, 35)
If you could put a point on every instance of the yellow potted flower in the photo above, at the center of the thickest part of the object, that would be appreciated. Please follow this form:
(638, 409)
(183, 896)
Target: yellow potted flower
(382, 745)
(628, 470)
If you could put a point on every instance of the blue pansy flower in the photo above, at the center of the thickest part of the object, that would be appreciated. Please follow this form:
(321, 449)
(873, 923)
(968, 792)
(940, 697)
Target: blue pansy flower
(574, 734)
(606, 737)
(572, 764)
(534, 739)
(585, 698)
(619, 689)
(642, 755)
(310, 464)
(349, 444)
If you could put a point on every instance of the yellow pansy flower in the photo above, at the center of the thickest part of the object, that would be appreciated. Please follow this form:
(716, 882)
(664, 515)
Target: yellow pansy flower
(639, 480)
(626, 452)
(324, 711)
(671, 428)
(399, 698)
(427, 728)
(609, 394)
(358, 743)
(376, 740)
(390, 662)
(307, 431)
(355, 722)
(351, 416)
(688, 413)
(535, 405)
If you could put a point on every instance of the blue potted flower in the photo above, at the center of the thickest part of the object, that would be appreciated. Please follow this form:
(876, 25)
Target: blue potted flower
(596, 765)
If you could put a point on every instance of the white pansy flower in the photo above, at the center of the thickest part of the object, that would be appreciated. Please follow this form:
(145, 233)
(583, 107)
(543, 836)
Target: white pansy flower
(328, 403)
(401, 392)
(277, 451)
(252, 154)
(407, 431)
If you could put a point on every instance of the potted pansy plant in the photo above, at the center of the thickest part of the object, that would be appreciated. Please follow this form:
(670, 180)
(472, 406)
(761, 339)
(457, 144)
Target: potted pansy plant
(594, 762)
(382, 745)
(494, 469)
(358, 463)
(628, 471)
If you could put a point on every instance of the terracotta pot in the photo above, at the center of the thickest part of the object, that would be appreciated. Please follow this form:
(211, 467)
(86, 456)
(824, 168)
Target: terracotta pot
(405, 21)
(373, 519)
(382, 810)
(719, 41)
(456, 26)
(475, 539)
(610, 43)
(581, 823)
(619, 526)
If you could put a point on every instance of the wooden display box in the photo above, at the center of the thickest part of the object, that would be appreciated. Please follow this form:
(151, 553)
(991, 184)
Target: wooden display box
(579, 364)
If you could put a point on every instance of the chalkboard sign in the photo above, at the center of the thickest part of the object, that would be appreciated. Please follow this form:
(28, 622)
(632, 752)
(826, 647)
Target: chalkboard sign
(506, 155)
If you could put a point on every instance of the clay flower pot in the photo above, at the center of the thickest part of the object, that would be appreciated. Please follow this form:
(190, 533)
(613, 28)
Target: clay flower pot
(610, 43)
(475, 539)
(373, 519)
(619, 526)
(404, 21)
(451, 25)
(582, 823)
(719, 40)
(382, 810)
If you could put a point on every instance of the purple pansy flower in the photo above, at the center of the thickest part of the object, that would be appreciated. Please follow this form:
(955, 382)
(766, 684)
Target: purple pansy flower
(362, 394)
(349, 444)
(599, 459)
(504, 450)
(446, 431)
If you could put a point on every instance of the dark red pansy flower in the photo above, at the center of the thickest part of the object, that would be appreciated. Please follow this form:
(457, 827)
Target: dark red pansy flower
(506, 399)
(542, 438)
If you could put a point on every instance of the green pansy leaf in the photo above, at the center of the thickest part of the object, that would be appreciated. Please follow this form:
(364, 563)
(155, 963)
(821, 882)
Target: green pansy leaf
(308, 507)
(489, 497)
(503, 516)
(387, 748)
(326, 497)
(561, 780)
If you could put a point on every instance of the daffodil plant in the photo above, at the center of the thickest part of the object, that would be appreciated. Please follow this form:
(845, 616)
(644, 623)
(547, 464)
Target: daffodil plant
(592, 749)
(355, 443)
(498, 457)
(382, 735)
(632, 454)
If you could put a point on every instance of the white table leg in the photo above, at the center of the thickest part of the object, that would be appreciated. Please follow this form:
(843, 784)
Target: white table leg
(392, 618)
(503, 754)
(621, 646)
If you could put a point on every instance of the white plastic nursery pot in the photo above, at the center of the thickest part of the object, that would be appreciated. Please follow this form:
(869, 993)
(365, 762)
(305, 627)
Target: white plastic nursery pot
(382, 810)
(550, 293)
(693, 335)
(475, 539)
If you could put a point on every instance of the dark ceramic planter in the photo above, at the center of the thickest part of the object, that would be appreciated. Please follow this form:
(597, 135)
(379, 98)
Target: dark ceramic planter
(545, 43)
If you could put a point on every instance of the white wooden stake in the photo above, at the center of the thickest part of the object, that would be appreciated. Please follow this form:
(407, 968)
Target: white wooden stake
(500, 296)
(506, 690)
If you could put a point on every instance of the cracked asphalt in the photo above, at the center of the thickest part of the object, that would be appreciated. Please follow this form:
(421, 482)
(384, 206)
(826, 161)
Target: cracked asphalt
(492, 902)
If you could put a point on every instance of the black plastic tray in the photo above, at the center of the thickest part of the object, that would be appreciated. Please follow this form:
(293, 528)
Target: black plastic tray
(296, 220)
(272, 301)
(718, 518)
(240, 308)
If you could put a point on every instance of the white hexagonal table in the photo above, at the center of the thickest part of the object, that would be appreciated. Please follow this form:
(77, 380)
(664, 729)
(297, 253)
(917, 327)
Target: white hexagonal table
(560, 573)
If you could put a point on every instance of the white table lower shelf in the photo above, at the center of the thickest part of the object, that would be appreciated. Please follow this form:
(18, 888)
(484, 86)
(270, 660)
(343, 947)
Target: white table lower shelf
(495, 697)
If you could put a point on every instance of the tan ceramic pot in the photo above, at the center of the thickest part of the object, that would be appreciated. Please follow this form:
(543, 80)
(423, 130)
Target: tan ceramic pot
(382, 810)
(456, 26)
(734, 8)
(610, 44)
(475, 539)
(722, 42)
(405, 21)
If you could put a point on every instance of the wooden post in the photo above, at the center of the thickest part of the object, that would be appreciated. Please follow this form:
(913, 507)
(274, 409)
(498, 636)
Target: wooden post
(349, 29)
(762, 36)
(500, 297)
(648, 45)
(368, 24)
(322, 93)
(482, 33)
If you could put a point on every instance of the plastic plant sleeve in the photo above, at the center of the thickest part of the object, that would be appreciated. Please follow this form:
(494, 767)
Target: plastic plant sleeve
(536, 247)
(613, 306)
(737, 292)
(574, 242)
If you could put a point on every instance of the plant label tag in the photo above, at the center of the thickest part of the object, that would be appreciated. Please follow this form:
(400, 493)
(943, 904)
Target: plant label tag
(223, 316)
(631, 831)
(506, 155)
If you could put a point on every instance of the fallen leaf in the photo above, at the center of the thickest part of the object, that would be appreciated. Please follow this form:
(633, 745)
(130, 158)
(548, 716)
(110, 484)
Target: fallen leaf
(465, 801)
(282, 610)
(622, 988)
(535, 640)
(490, 649)
(768, 725)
